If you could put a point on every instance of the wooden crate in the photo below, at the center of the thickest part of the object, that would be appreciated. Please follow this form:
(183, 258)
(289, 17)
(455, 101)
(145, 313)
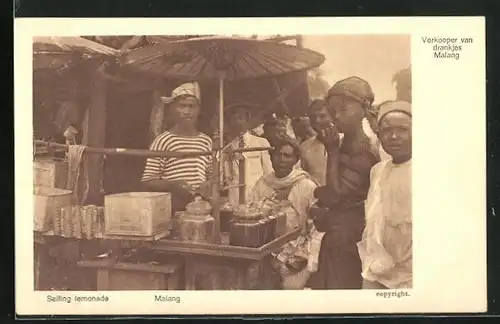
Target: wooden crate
(137, 213)
(137, 276)
(50, 173)
(49, 202)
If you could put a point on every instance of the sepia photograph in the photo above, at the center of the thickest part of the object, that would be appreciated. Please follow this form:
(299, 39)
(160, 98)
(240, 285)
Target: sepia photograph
(256, 159)
(222, 163)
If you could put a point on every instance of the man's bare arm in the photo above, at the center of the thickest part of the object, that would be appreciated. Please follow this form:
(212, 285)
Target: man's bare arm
(162, 185)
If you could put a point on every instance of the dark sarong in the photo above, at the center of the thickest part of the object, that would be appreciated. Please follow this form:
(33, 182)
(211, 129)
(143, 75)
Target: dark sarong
(339, 265)
(341, 215)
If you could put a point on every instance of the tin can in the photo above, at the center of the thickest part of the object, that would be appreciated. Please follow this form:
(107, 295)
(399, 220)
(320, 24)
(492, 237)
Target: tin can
(79, 215)
(88, 216)
(84, 221)
(93, 221)
(57, 221)
(100, 221)
(66, 213)
(77, 226)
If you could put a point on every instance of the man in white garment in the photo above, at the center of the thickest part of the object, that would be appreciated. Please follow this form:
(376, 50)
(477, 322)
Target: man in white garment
(386, 246)
(297, 259)
(256, 163)
(313, 150)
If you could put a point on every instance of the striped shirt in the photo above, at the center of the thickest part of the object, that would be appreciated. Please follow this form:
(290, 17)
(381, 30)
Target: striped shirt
(193, 170)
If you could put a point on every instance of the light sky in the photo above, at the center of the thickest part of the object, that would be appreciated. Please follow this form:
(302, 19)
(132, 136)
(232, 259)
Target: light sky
(372, 57)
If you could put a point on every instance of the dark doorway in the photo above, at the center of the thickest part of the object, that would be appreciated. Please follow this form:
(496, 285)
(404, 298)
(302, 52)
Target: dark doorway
(127, 126)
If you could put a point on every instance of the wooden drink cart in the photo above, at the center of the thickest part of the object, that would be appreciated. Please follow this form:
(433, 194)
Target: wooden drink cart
(184, 265)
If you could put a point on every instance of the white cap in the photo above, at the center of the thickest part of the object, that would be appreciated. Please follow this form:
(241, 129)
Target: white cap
(186, 89)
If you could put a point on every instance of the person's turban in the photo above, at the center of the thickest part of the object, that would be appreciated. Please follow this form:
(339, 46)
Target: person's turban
(354, 88)
(392, 106)
(187, 89)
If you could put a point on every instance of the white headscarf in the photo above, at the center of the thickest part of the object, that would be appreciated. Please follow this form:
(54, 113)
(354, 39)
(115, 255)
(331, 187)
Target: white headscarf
(186, 89)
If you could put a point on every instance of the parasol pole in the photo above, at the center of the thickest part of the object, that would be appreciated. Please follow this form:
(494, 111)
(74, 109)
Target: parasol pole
(216, 161)
(221, 109)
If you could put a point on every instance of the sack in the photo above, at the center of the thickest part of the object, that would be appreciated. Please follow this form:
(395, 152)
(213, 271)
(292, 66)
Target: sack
(296, 281)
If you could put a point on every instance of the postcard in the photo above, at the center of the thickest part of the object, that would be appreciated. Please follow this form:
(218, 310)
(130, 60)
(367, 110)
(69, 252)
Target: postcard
(222, 166)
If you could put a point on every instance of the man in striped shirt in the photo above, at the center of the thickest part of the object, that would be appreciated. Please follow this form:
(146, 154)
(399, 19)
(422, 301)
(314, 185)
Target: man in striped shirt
(182, 177)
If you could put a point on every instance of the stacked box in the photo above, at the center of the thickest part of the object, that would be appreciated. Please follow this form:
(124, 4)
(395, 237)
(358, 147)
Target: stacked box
(51, 205)
(137, 213)
(50, 173)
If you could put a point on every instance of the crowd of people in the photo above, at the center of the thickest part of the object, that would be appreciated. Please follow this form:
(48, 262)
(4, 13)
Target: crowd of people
(347, 176)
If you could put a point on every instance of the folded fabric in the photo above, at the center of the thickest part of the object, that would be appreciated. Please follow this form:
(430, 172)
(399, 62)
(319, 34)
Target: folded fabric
(375, 259)
(314, 248)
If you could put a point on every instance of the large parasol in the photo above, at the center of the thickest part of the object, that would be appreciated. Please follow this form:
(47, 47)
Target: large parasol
(56, 53)
(222, 59)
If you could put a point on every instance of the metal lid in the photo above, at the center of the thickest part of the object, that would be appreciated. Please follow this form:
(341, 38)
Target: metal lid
(199, 207)
(226, 207)
(246, 212)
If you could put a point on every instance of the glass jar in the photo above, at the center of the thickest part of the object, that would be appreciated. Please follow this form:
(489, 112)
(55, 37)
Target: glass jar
(198, 207)
(197, 224)
(226, 217)
(249, 228)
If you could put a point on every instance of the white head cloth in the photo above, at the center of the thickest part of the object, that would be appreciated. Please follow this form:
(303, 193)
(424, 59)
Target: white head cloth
(186, 89)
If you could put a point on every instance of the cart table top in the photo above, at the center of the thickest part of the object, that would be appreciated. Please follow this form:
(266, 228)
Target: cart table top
(223, 250)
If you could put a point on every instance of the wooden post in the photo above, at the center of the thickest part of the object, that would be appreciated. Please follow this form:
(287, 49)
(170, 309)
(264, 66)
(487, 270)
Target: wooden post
(157, 119)
(94, 132)
(103, 279)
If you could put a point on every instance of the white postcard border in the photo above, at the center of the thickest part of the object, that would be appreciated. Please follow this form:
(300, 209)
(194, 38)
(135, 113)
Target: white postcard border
(449, 172)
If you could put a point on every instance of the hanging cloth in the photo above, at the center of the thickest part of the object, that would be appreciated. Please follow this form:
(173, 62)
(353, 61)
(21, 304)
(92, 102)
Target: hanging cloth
(78, 181)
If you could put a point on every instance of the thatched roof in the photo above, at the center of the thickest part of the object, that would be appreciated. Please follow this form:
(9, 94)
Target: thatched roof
(130, 42)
